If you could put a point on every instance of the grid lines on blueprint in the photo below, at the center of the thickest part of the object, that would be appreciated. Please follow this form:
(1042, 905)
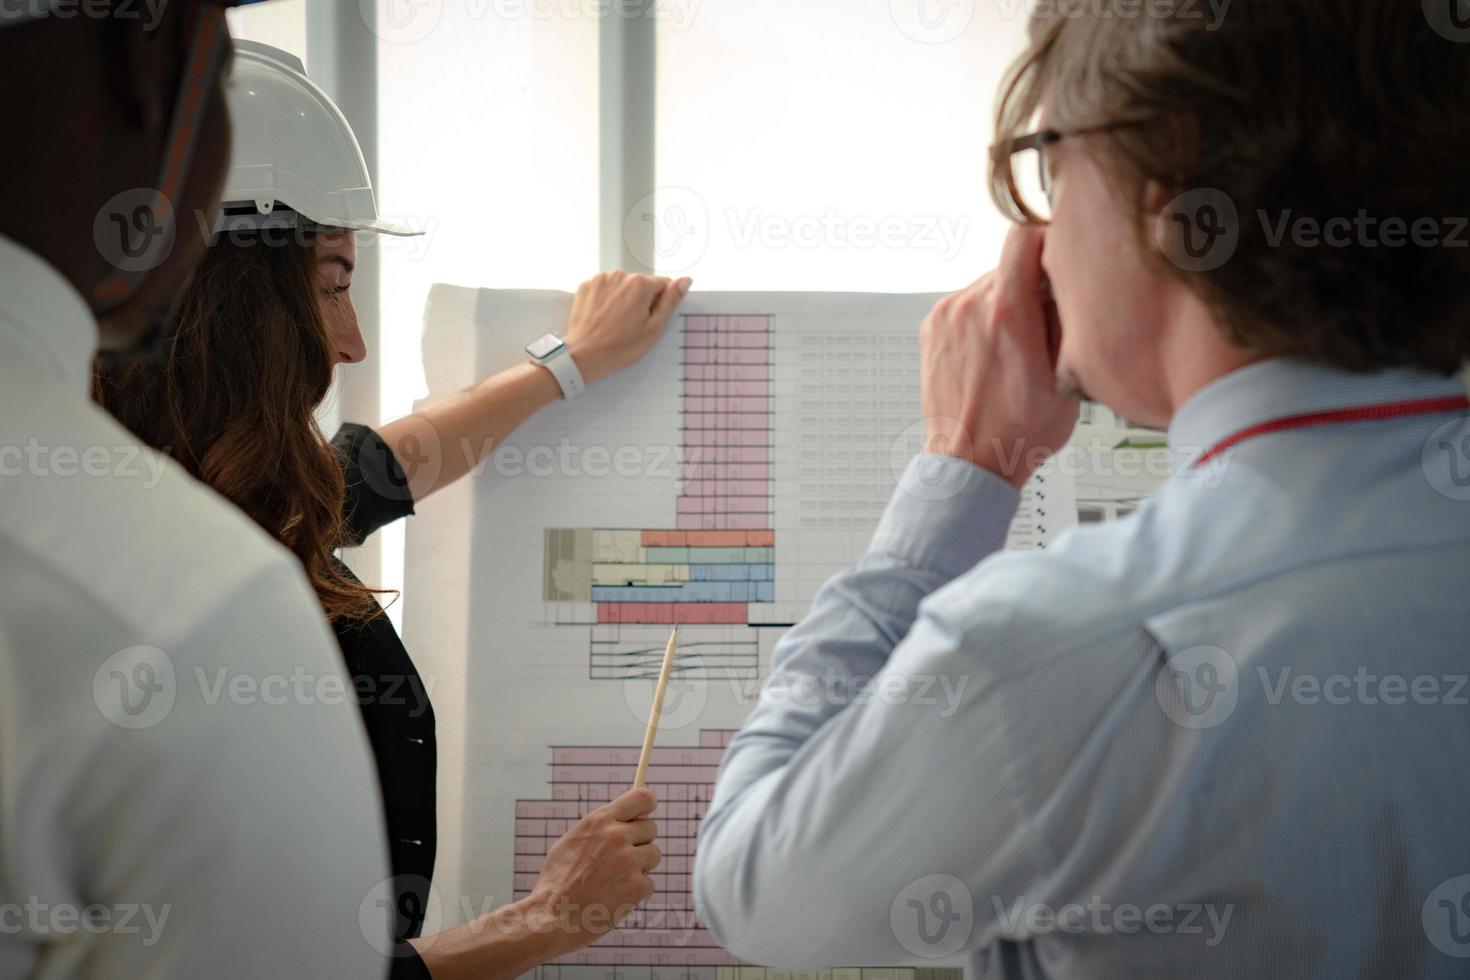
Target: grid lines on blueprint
(718, 559)
(662, 939)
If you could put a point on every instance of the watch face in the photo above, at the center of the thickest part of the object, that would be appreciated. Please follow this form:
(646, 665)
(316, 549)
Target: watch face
(544, 347)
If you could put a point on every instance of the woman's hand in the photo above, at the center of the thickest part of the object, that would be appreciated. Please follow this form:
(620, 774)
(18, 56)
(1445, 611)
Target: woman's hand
(617, 317)
(591, 879)
(598, 871)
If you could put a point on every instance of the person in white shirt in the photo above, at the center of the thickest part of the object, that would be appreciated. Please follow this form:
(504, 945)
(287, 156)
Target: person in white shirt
(184, 790)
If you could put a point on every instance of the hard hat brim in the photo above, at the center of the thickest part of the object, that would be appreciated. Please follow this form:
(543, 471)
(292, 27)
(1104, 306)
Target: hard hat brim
(382, 226)
(242, 216)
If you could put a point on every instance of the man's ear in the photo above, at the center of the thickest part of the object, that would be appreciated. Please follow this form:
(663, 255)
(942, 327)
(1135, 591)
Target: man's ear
(1153, 197)
(1156, 195)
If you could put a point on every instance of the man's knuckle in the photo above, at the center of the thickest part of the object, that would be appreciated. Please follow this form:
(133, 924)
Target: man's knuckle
(1002, 311)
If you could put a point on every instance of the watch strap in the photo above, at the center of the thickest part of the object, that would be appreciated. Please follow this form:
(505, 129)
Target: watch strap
(564, 369)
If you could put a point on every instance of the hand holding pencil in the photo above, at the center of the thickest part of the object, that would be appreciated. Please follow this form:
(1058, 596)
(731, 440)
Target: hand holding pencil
(603, 861)
(597, 872)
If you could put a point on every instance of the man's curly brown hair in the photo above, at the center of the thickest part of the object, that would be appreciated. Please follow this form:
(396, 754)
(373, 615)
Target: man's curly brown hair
(1351, 114)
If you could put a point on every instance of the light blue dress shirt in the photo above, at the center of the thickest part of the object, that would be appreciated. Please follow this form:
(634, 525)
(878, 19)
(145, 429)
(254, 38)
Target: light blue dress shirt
(1225, 737)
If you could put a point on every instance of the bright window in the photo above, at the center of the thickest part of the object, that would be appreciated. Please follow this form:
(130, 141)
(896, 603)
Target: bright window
(488, 139)
(830, 144)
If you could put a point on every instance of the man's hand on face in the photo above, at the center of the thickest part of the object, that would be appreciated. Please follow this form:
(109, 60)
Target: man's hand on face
(990, 393)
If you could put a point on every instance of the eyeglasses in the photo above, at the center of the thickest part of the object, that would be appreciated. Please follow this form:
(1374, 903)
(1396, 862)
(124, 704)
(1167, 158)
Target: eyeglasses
(1023, 171)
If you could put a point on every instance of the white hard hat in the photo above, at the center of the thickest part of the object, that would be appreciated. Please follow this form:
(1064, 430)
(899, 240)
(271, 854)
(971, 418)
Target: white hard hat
(295, 161)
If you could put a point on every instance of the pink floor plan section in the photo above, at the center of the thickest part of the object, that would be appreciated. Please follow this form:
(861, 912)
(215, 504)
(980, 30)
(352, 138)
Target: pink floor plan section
(718, 558)
(664, 931)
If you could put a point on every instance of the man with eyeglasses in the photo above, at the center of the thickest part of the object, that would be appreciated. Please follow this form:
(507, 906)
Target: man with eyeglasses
(1225, 736)
(158, 817)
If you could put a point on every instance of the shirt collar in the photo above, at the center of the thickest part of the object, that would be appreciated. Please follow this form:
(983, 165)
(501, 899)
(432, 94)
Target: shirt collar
(44, 319)
(1284, 387)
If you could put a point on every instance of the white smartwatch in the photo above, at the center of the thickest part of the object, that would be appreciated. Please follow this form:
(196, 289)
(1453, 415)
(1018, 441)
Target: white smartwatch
(552, 353)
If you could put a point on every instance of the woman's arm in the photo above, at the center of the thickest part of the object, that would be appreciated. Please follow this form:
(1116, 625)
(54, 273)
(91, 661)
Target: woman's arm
(590, 879)
(616, 318)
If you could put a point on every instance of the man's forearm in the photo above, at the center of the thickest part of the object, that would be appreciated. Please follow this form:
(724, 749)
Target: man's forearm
(946, 517)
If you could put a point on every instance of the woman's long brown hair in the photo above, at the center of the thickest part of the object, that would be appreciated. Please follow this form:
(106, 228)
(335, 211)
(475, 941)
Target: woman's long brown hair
(235, 396)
